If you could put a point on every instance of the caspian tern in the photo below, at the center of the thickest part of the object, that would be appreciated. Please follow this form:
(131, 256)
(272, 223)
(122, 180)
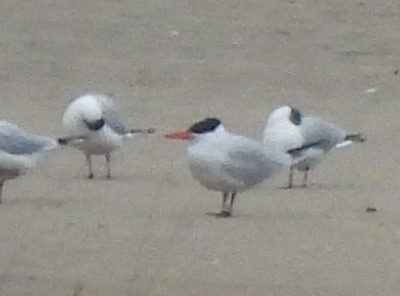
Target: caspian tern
(19, 151)
(306, 139)
(228, 163)
(95, 127)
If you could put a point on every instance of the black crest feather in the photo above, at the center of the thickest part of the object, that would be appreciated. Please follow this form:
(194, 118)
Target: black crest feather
(205, 126)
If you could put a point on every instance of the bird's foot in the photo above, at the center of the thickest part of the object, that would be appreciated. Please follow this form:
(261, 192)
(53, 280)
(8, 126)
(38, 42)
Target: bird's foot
(294, 187)
(109, 177)
(90, 176)
(287, 187)
(222, 214)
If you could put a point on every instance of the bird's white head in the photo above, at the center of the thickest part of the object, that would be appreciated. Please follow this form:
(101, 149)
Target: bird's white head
(204, 128)
(84, 113)
(282, 129)
(284, 114)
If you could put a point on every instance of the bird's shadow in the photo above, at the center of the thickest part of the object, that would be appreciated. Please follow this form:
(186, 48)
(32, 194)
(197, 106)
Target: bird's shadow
(40, 202)
(286, 187)
(319, 186)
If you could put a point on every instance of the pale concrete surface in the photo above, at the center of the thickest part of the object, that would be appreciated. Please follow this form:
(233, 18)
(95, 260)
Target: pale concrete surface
(169, 63)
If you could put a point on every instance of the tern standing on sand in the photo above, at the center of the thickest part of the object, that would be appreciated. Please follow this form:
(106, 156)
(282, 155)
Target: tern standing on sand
(306, 139)
(95, 127)
(19, 151)
(228, 163)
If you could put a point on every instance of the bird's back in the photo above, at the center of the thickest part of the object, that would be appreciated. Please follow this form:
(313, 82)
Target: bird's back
(15, 141)
(19, 150)
(251, 163)
(324, 135)
(113, 119)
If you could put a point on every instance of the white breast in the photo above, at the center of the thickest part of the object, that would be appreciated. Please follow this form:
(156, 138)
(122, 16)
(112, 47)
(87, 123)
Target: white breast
(206, 165)
(100, 142)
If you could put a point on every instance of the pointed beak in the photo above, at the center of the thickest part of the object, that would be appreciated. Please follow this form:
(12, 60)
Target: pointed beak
(181, 135)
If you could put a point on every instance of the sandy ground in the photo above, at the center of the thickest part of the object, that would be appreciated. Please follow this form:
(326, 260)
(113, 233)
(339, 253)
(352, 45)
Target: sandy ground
(169, 63)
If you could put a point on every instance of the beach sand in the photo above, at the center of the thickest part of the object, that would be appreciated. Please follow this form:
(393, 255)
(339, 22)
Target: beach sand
(169, 63)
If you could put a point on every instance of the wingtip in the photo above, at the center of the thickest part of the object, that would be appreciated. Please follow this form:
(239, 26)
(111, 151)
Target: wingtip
(356, 138)
(151, 130)
(363, 138)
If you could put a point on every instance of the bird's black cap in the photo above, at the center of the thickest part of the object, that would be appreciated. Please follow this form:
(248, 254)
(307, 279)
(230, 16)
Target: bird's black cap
(205, 126)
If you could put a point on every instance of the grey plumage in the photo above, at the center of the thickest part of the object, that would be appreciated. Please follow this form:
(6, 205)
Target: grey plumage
(307, 139)
(95, 127)
(19, 151)
(113, 120)
(319, 137)
(228, 163)
(327, 135)
(250, 165)
(15, 141)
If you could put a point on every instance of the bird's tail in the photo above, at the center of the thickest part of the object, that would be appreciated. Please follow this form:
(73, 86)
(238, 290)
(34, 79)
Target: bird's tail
(45, 143)
(352, 138)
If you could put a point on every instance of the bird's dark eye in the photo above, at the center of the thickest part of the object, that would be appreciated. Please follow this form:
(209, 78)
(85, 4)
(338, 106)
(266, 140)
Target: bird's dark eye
(295, 116)
(205, 126)
(95, 125)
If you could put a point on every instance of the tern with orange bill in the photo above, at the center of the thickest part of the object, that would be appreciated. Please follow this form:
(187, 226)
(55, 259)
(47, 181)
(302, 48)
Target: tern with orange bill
(225, 162)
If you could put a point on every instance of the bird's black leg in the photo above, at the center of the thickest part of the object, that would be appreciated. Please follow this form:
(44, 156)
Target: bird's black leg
(223, 213)
(226, 212)
(224, 200)
(90, 167)
(1, 190)
(305, 177)
(108, 161)
(233, 195)
(291, 176)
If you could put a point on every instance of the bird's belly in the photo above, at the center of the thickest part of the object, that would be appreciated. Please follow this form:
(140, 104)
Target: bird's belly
(100, 143)
(212, 176)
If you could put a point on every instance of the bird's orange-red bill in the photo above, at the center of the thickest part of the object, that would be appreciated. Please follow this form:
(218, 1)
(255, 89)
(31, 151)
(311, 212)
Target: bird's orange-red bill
(182, 135)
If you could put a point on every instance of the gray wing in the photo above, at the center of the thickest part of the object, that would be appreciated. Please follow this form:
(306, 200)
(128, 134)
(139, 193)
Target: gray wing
(110, 114)
(114, 121)
(320, 134)
(250, 164)
(14, 140)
